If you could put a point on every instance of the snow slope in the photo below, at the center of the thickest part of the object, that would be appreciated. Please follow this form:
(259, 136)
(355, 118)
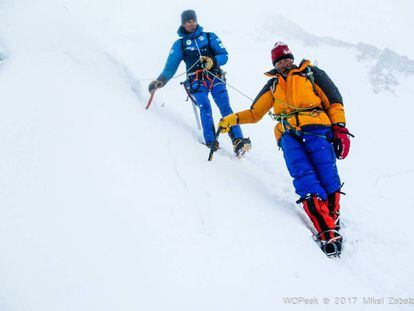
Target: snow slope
(106, 206)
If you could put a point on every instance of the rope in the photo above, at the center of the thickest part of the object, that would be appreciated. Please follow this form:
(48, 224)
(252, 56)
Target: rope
(298, 110)
(225, 82)
(198, 48)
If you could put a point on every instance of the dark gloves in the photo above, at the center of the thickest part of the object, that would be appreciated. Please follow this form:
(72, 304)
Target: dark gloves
(341, 142)
(156, 84)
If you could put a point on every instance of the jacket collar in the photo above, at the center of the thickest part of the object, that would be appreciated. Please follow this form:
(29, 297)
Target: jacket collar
(273, 73)
(185, 35)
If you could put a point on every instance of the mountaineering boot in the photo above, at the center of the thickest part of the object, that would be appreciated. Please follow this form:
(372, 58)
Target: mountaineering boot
(247, 144)
(334, 208)
(333, 246)
(329, 239)
(241, 146)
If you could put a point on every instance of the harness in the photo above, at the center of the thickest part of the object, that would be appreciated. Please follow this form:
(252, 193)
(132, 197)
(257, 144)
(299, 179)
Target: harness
(282, 117)
(201, 75)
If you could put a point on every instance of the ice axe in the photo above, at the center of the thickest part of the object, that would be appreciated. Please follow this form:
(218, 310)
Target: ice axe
(210, 156)
(150, 99)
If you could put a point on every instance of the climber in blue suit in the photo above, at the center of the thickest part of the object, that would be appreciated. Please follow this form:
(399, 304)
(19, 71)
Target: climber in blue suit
(203, 54)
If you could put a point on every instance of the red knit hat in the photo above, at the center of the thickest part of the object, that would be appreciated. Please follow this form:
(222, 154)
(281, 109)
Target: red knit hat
(280, 51)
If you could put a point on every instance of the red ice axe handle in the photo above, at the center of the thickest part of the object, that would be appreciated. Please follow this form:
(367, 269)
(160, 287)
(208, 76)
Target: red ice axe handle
(150, 100)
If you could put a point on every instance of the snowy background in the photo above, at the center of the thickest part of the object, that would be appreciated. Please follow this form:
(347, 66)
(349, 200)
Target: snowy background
(106, 206)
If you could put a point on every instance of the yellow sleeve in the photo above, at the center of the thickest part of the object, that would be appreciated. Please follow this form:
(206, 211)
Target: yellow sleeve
(261, 105)
(336, 113)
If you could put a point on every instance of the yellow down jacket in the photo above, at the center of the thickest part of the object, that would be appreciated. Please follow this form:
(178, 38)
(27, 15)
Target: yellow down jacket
(306, 96)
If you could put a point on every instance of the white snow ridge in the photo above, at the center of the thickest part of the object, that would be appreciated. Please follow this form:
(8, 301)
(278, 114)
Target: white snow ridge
(107, 206)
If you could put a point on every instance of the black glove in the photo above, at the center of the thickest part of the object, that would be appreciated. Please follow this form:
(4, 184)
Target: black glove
(156, 84)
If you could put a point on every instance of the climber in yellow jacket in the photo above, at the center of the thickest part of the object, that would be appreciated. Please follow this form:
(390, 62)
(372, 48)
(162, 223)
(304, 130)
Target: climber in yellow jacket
(311, 131)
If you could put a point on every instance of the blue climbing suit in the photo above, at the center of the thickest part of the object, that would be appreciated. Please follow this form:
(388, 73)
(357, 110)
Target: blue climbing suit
(311, 161)
(188, 49)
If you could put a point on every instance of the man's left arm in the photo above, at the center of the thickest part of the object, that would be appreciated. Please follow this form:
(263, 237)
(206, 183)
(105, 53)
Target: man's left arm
(220, 53)
(331, 97)
(333, 105)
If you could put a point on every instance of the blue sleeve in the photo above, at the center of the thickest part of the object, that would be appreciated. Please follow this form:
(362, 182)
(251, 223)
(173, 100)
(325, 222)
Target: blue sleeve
(221, 55)
(173, 61)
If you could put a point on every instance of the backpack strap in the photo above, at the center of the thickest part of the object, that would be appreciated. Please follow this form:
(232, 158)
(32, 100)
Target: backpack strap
(310, 76)
(274, 85)
(208, 35)
(182, 45)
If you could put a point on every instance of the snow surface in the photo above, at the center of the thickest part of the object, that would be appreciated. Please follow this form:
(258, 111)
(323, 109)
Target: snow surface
(106, 206)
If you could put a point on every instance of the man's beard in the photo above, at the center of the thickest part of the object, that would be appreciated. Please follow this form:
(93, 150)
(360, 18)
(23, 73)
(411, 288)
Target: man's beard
(286, 69)
(289, 68)
(283, 70)
(192, 29)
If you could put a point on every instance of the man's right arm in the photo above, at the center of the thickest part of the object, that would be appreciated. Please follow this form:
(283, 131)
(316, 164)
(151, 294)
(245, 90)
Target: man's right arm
(262, 104)
(173, 61)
